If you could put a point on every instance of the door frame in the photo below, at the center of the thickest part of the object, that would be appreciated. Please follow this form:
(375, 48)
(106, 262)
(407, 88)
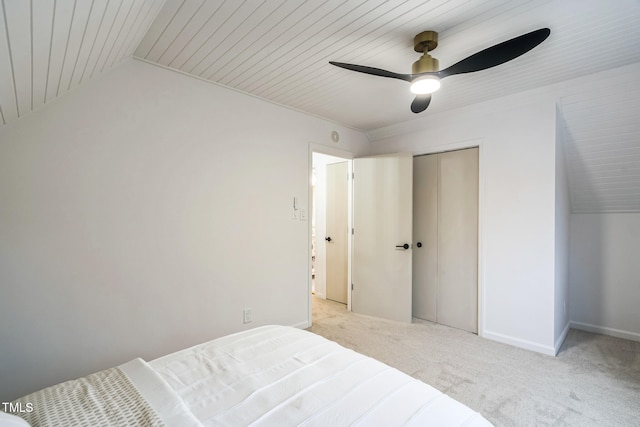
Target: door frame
(347, 156)
(461, 145)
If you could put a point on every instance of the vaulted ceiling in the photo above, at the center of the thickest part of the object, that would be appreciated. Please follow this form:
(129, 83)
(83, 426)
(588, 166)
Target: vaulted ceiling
(279, 50)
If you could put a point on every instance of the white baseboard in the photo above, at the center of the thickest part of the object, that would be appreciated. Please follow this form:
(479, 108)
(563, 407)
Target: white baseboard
(302, 325)
(517, 342)
(562, 337)
(618, 333)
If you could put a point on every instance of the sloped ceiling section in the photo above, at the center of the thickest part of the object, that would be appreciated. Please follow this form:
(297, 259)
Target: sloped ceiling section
(49, 47)
(602, 141)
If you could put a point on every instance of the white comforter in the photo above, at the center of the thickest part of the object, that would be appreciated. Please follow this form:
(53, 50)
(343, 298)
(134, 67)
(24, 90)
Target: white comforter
(269, 376)
(281, 376)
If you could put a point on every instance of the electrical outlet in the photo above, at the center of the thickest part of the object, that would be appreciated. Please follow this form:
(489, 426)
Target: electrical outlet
(247, 315)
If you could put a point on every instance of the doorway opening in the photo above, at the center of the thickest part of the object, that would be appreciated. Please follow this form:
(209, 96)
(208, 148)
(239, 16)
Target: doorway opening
(330, 225)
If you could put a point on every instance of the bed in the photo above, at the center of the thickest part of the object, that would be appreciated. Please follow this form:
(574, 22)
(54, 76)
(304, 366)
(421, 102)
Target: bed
(267, 376)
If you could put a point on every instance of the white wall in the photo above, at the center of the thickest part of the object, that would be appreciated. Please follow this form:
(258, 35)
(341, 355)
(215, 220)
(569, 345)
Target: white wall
(140, 214)
(563, 209)
(516, 136)
(605, 273)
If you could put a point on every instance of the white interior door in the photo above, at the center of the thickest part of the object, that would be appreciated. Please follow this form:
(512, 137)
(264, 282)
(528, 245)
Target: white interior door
(382, 221)
(458, 239)
(336, 239)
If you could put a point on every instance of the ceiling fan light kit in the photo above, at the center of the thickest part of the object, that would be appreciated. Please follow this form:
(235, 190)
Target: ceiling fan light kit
(425, 85)
(426, 75)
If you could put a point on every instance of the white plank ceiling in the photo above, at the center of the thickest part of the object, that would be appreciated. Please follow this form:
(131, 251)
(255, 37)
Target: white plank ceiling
(279, 50)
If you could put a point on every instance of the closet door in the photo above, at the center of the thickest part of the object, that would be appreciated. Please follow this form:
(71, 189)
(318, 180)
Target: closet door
(458, 239)
(425, 236)
(445, 235)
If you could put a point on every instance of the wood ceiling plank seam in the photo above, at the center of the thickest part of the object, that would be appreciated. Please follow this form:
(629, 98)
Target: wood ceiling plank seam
(31, 54)
(254, 28)
(66, 48)
(180, 34)
(93, 43)
(619, 200)
(394, 43)
(143, 28)
(274, 68)
(611, 165)
(612, 191)
(609, 162)
(198, 32)
(165, 14)
(378, 49)
(260, 42)
(592, 130)
(106, 39)
(18, 41)
(293, 84)
(314, 15)
(298, 78)
(603, 174)
(499, 11)
(613, 156)
(209, 39)
(117, 41)
(322, 69)
(117, 58)
(606, 142)
(598, 113)
(268, 42)
(616, 138)
(80, 44)
(112, 39)
(42, 21)
(604, 115)
(246, 19)
(609, 211)
(174, 28)
(631, 200)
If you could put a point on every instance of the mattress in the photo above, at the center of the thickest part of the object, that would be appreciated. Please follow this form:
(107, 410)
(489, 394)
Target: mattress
(268, 376)
(282, 376)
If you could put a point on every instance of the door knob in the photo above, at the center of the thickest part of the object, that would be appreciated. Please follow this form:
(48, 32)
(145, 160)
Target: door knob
(328, 239)
(419, 244)
(405, 246)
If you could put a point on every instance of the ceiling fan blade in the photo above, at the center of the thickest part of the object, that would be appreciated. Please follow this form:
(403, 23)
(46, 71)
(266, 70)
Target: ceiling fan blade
(498, 54)
(420, 103)
(372, 71)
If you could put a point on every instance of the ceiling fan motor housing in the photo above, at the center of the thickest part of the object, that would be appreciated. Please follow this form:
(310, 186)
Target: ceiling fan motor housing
(425, 42)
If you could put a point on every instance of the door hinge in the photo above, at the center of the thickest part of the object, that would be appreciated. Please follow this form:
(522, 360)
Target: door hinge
(352, 286)
(352, 231)
(353, 175)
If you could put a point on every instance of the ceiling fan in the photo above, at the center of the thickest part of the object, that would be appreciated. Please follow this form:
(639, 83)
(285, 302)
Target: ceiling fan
(425, 77)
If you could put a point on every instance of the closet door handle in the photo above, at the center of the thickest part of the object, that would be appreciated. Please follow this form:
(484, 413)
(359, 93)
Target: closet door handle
(405, 246)
(419, 244)
(328, 239)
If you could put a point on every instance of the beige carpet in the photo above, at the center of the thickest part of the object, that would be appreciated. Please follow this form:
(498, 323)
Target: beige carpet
(594, 380)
